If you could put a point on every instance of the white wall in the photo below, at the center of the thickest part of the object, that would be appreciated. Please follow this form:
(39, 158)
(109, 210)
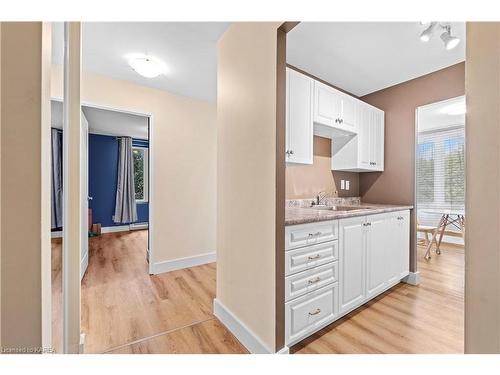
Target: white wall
(183, 151)
(246, 177)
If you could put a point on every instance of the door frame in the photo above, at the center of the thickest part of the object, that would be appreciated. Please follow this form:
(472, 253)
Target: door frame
(415, 227)
(149, 116)
(149, 251)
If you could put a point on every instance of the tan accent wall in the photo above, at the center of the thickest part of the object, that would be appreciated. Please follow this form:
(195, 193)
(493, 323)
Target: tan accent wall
(21, 207)
(183, 151)
(306, 181)
(482, 241)
(396, 185)
(246, 175)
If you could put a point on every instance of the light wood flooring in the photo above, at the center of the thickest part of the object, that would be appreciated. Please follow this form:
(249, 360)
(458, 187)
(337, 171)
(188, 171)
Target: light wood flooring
(428, 318)
(125, 310)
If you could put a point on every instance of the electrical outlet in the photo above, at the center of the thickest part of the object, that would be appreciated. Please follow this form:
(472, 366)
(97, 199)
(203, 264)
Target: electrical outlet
(347, 184)
(342, 184)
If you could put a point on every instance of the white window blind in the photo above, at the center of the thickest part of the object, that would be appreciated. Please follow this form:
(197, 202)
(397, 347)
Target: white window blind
(440, 166)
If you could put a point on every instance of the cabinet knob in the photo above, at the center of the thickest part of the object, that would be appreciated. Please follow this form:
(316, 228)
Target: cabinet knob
(291, 152)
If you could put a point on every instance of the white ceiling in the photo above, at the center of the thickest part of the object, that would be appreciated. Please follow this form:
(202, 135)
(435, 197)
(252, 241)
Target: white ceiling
(433, 116)
(363, 57)
(107, 122)
(187, 48)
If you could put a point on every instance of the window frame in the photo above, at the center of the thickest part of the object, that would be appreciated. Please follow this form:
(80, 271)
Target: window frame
(145, 169)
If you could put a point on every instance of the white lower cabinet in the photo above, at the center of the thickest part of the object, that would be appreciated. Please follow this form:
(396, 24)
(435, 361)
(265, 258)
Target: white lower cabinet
(311, 312)
(363, 257)
(352, 263)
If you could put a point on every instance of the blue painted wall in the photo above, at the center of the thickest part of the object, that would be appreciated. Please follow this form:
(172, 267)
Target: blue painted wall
(103, 174)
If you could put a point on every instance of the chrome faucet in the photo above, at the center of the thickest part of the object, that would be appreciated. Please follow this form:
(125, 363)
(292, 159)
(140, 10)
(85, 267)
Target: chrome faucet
(319, 198)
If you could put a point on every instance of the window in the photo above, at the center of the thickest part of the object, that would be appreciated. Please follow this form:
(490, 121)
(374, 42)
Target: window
(425, 172)
(454, 172)
(141, 173)
(440, 165)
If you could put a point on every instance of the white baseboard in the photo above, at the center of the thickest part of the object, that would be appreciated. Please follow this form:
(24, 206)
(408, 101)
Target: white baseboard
(118, 228)
(284, 350)
(244, 334)
(57, 234)
(139, 226)
(178, 264)
(83, 265)
(413, 278)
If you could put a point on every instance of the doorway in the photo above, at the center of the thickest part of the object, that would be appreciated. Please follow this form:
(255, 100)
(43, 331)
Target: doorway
(113, 248)
(440, 206)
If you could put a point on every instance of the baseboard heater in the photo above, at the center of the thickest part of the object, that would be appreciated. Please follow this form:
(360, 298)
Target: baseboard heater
(138, 226)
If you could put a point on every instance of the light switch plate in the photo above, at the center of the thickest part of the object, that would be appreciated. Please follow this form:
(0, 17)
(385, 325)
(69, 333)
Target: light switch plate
(342, 184)
(347, 184)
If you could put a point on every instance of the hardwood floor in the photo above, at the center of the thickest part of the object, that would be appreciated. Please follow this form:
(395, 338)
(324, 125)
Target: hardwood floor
(428, 318)
(126, 309)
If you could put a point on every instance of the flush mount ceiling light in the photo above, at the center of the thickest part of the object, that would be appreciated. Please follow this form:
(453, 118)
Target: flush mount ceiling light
(145, 65)
(449, 41)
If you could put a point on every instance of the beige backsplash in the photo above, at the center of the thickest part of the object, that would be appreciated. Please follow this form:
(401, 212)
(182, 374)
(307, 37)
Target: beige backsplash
(308, 180)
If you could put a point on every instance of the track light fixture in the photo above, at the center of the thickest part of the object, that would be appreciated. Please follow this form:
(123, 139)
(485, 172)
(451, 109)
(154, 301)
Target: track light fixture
(449, 41)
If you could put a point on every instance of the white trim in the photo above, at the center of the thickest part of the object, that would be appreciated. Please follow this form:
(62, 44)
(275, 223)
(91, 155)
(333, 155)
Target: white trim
(83, 265)
(181, 263)
(139, 226)
(57, 234)
(117, 228)
(284, 350)
(244, 334)
(413, 278)
(150, 117)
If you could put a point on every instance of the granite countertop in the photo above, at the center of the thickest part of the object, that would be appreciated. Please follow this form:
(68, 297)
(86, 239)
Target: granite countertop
(302, 215)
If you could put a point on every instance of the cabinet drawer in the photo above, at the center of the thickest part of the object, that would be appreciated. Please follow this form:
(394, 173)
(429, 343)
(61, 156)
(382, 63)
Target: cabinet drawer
(310, 234)
(309, 313)
(308, 281)
(309, 257)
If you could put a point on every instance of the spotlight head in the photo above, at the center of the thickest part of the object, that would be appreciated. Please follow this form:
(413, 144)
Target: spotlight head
(449, 41)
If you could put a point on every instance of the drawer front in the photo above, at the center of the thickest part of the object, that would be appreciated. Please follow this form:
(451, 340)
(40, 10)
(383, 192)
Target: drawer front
(308, 281)
(309, 313)
(305, 258)
(310, 234)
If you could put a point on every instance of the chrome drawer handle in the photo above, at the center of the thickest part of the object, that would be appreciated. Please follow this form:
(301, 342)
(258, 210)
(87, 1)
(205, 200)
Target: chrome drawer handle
(315, 312)
(315, 234)
(311, 257)
(314, 281)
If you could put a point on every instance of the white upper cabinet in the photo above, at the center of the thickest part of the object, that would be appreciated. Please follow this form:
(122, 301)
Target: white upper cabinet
(355, 127)
(299, 118)
(327, 105)
(334, 110)
(363, 152)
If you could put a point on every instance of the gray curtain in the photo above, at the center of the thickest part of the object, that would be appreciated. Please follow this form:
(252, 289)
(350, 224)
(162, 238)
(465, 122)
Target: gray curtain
(125, 207)
(57, 180)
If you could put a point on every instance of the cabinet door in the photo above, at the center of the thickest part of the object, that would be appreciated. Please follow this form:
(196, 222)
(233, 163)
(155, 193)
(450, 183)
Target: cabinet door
(299, 121)
(350, 113)
(403, 219)
(377, 139)
(352, 241)
(377, 251)
(364, 137)
(327, 105)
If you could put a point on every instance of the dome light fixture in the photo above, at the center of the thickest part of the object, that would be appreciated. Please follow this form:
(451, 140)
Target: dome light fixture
(449, 41)
(146, 66)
